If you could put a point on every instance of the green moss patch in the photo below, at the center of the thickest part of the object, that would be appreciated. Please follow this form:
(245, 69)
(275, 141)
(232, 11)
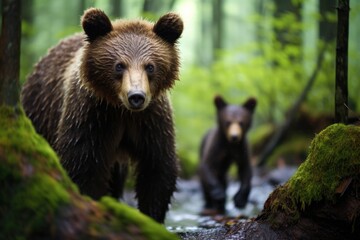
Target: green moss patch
(18, 139)
(39, 201)
(129, 218)
(334, 155)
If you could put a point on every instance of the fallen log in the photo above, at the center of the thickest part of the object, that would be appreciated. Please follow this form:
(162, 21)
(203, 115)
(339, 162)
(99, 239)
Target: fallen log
(39, 201)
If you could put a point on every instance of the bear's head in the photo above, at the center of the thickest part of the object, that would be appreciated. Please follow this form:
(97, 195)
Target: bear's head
(129, 63)
(234, 120)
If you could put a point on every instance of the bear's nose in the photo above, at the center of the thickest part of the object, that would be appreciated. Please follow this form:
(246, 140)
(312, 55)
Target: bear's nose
(136, 99)
(234, 138)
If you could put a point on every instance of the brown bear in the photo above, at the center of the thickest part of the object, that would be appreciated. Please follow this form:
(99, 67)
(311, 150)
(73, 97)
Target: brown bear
(100, 99)
(220, 147)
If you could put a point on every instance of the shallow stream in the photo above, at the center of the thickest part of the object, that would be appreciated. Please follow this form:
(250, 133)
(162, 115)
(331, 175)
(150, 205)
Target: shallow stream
(183, 217)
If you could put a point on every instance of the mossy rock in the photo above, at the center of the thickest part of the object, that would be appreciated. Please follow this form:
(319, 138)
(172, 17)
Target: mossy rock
(334, 156)
(39, 201)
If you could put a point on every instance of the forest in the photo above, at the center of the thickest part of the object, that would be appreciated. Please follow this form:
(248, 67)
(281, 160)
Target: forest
(281, 53)
(264, 49)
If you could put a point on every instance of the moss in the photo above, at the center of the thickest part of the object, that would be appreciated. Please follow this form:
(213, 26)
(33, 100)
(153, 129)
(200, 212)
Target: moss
(39, 201)
(334, 155)
(33, 205)
(35, 184)
(132, 217)
(18, 138)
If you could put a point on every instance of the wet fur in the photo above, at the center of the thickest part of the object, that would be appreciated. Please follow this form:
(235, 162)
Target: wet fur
(72, 100)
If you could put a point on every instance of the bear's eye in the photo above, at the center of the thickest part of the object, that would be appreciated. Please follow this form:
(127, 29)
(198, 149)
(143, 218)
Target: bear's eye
(120, 67)
(149, 68)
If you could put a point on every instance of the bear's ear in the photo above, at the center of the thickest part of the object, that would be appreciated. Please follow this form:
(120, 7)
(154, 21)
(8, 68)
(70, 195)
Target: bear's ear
(169, 27)
(250, 104)
(95, 24)
(219, 102)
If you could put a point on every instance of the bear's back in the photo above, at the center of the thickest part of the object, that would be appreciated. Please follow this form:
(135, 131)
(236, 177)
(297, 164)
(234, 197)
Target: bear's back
(43, 92)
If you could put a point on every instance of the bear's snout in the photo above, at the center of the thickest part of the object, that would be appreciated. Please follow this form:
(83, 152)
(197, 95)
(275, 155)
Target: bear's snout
(136, 99)
(234, 132)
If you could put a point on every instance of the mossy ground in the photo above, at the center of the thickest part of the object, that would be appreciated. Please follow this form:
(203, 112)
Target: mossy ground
(38, 200)
(334, 155)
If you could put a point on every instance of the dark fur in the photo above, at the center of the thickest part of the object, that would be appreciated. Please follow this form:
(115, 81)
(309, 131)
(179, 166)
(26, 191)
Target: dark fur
(218, 152)
(72, 98)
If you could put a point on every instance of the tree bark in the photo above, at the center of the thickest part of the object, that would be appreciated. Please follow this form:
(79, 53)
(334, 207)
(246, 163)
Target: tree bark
(10, 52)
(116, 10)
(341, 86)
(217, 17)
(158, 6)
(327, 29)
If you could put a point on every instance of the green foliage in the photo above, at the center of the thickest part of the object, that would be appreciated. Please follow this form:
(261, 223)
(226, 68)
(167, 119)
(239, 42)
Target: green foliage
(271, 68)
(274, 70)
(292, 151)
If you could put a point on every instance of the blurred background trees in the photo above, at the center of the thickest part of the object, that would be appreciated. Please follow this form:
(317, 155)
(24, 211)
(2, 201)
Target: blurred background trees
(265, 49)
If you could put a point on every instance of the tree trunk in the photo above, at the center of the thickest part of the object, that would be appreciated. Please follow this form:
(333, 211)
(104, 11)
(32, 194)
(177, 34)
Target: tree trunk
(205, 36)
(10, 52)
(217, 32)
(341, 86)
(116, 10)
(327, 28)
(158, 6)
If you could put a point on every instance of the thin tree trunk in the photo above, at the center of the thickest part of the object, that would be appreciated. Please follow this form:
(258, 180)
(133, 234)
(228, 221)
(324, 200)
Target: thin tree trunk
(10, 52)
(327, 28)
(116, 8)
(341, 88)
(217, 7)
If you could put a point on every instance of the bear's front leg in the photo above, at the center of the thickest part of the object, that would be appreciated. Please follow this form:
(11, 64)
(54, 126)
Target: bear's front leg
(245, 175)
(84, 163)
(86, 143)
(154, 189)
(214, 188)
(157, 167)
(156, 180)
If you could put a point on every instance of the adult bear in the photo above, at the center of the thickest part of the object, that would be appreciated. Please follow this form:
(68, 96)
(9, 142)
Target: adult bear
(220, 147)
(100, 99)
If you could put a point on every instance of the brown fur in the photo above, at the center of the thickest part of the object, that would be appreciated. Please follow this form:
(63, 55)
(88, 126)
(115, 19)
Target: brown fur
(78, 99)
(220, 147)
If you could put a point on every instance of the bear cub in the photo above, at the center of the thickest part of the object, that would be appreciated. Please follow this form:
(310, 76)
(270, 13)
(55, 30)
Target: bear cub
(100, 99)
(220, 147)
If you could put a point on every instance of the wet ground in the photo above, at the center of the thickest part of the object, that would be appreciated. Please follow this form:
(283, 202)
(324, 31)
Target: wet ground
(183, 217)
(188, 202)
